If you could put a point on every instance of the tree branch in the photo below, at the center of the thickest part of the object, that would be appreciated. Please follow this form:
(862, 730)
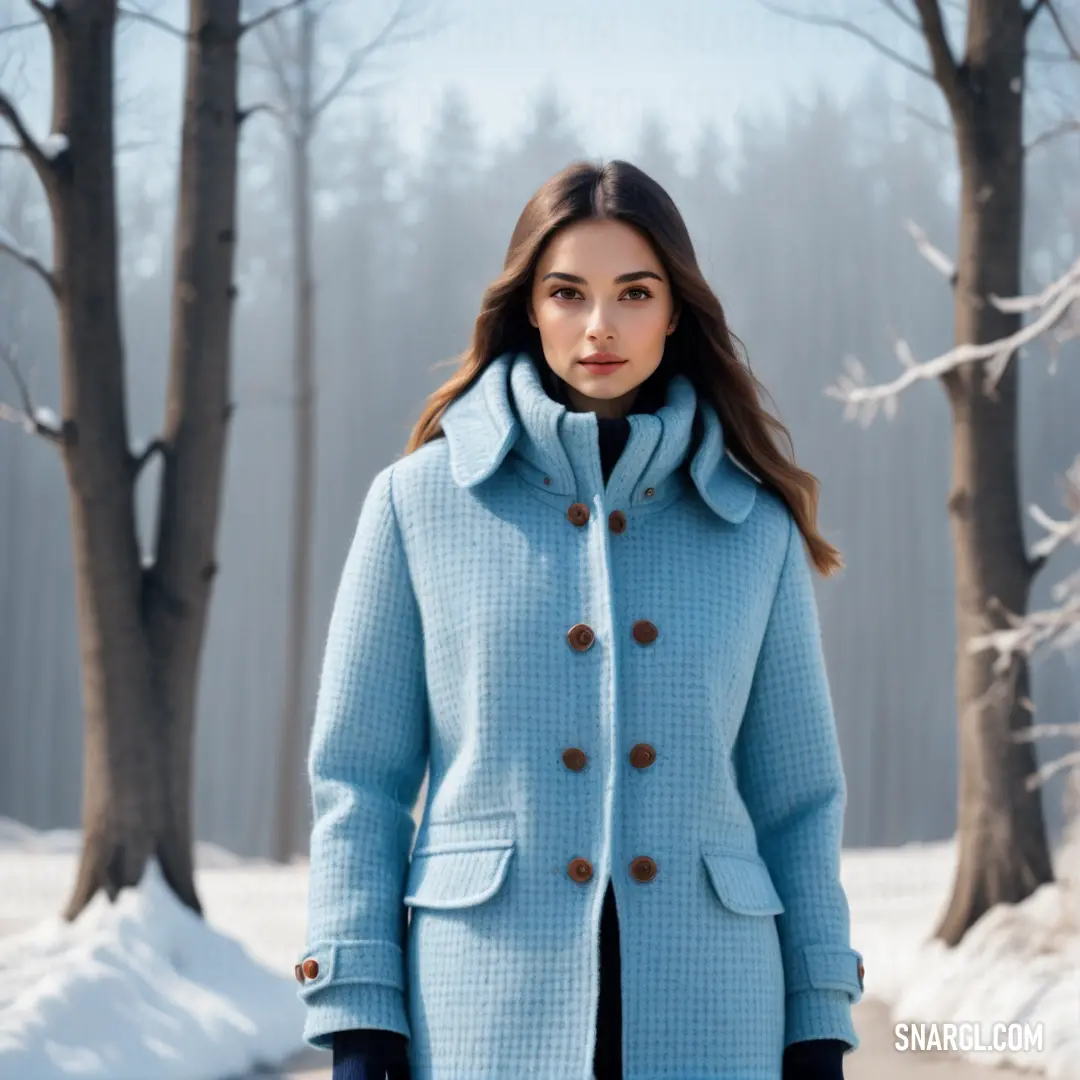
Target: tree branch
(14, 28)
(138, 15)
(1064, 128)
(933, 255)
(863, 400)
(946, 72)
(271, 13)
(262, 106)
(1070, 47)
(852, 28)
(902, 15)
(141, 460)
(41, 422)
(30, 147)
(362, 55)
(8, 246)
(46, 11)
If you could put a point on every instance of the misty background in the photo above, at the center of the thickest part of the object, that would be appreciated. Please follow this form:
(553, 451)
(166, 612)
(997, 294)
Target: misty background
(796, 155)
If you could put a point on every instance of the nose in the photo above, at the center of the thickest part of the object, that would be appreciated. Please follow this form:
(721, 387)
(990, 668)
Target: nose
(601, 324)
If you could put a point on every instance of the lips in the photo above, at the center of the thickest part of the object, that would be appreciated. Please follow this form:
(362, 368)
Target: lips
(602, 358)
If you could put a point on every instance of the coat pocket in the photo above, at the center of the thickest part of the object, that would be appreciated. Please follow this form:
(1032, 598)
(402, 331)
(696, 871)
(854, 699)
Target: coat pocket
(459, 864)
(742, 882)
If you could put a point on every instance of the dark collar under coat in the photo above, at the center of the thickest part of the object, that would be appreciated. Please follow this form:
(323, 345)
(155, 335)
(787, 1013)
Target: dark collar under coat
(508, 407)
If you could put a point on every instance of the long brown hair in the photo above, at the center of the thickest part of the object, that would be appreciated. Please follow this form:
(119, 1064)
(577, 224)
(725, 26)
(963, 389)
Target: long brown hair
(701, 347)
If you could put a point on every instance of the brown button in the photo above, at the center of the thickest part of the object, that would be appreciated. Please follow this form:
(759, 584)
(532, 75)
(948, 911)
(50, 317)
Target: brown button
(574, 759)
(547, 479)
(643, 868)
(298, 971)
(580, 869)
(645, 632)
(862, 972)
(642, 756)
(311, 968)
(650, 492)
(578, 513)
(617, 521)
(580, 636)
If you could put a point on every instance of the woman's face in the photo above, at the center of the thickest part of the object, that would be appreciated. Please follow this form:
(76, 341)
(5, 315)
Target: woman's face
(599, 288)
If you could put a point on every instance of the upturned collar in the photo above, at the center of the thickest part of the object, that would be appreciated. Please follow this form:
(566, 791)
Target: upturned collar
(507, 408)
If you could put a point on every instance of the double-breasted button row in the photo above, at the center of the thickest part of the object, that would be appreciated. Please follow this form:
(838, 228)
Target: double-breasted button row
(581, 635)
(641, 869)
(308, 969)
(642, 755)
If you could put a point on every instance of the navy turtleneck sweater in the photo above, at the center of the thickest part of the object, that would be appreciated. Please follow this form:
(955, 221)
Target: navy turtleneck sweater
(371, 1055)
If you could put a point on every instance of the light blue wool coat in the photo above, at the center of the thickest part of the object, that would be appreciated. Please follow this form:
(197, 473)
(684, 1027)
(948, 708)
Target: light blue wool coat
(449, 643)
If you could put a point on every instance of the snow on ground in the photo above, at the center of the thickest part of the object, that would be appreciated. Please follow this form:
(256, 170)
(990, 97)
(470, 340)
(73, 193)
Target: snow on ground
(1019, 964)
(144, 990)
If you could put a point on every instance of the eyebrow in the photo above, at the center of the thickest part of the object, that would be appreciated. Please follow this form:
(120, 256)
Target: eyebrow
(622, 279)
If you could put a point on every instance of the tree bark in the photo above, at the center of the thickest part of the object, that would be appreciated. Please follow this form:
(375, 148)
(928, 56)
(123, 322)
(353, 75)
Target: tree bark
(1003, 853)
(141, 621)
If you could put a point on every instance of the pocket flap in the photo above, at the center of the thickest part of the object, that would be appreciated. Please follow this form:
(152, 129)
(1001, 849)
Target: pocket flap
(743, 883)
(458, 864)
(456, 879)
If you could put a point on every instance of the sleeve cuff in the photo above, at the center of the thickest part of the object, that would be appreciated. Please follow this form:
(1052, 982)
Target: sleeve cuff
(341, 1008)
(819, 1014)
(822, 983)
(352, 984)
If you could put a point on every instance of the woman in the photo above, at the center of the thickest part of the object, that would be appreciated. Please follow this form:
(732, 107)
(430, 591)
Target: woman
(614, 669)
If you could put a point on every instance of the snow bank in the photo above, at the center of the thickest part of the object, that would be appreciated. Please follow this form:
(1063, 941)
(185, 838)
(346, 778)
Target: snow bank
(140, 989)
(1019, 964)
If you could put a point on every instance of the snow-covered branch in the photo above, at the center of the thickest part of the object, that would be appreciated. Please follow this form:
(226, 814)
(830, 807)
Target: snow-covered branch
(1055, 305)
(1058, 627)
(933, 255)
(1055, 628)
(9, 246)
(36, 421)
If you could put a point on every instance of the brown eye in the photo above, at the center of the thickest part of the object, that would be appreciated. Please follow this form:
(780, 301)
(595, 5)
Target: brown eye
(565, 288)
(645, 294)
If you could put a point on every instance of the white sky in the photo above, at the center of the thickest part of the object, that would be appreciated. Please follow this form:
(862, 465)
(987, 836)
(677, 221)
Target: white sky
(614, 61)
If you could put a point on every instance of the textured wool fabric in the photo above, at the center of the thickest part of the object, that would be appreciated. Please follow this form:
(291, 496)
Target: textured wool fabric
(360, 1055)
(449, 643)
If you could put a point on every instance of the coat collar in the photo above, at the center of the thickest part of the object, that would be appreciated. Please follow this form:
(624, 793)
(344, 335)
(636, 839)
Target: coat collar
(508, 408)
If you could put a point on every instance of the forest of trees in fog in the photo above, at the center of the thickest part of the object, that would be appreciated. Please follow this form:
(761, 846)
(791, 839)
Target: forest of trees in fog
(799, 226)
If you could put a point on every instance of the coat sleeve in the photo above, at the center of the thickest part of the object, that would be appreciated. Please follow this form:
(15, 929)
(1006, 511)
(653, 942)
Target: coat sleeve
(366, 762)
(791, 778)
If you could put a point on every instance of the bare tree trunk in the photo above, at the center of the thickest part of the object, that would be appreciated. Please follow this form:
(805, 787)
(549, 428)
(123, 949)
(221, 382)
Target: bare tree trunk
(287, 806)
(1003, 854)
(141, 622)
